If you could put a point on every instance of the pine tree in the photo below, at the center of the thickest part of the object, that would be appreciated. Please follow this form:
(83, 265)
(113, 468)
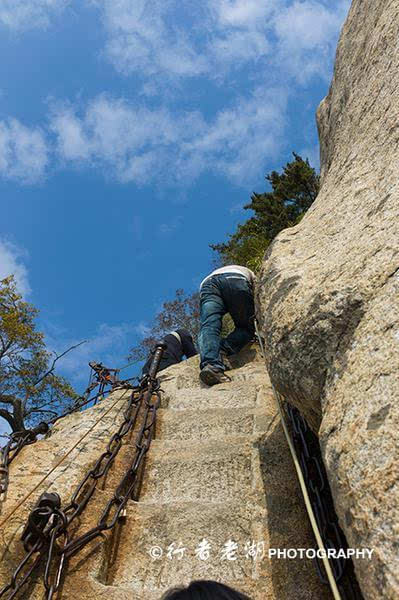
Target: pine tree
(293, 192)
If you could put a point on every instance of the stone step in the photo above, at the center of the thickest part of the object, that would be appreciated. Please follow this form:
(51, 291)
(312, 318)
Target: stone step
(214, 471)
(225, 395)
(152, 560)
(197, 425)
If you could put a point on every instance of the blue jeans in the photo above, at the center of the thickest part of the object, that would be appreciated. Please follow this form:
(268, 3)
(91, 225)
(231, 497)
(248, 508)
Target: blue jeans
(221, 294)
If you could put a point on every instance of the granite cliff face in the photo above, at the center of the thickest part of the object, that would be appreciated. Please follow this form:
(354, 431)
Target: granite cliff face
(218, 470)
(328, 294)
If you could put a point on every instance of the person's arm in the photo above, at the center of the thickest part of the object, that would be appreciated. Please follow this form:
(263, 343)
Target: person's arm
(188, 348)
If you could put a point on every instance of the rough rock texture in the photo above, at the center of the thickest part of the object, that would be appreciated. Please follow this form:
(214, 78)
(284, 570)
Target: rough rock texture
(328, 293)
(218, 469)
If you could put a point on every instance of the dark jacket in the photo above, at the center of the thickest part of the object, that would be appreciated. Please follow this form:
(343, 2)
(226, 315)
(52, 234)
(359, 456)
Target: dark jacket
(174, 351)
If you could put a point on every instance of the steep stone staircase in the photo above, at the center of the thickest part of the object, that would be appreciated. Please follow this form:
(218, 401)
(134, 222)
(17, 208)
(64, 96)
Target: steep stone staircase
(203, 482)
(205, 487)
(219, 489)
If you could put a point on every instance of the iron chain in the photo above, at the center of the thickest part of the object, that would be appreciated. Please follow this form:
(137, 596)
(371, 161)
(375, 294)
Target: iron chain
(17, 441)
(48, 522)
(308, 450)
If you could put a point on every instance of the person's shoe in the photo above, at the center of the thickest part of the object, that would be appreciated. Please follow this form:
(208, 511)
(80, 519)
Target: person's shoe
(210, 375)
(224, 357)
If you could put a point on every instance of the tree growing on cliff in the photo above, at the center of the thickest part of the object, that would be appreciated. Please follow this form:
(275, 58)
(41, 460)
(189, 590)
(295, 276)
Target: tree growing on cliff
(293, 192)
(30, 392)
(180, 313)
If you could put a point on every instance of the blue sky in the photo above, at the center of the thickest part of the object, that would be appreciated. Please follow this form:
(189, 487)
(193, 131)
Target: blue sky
(131, 135)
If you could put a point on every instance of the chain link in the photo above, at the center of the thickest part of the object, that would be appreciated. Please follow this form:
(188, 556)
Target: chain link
(128, 485)
(20, 576)
(308, 450)
(104, 378)
(17, 441)
(48, 522)
(35, 538)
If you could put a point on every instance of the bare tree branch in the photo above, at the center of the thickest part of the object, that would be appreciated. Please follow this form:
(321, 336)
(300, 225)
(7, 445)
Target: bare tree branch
(47, 410)
(39, 408)
(7, 399)
(55, 360)
(8, 417)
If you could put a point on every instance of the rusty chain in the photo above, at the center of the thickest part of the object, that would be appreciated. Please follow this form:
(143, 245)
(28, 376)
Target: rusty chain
(127, 485)
(103, 376)
(17, 440)
(308, 450)
(48, 522)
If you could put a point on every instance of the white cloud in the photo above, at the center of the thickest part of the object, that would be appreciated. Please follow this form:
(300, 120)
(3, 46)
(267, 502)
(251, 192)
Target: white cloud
(160, 37)
(130, 139)
(23, 152)
(239, 13)
(28, 14)
(307, 24)
(307, 32)
(73, 142)
(239, 32)
(11, 257)
(244, 136)
(213, 37)
(140, 145)
(278, 44)
(141, 40)
(237, 47)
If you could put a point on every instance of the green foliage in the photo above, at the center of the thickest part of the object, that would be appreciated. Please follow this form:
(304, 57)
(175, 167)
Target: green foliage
(293, 192)
(180, 313)
(29, 390)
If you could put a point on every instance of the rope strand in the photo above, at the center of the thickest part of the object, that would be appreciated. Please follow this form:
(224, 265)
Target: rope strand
(326, 563)
(19, 504)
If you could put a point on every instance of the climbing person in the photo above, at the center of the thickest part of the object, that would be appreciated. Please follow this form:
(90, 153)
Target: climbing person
(225, 290)
(204, 590)
(179, 343)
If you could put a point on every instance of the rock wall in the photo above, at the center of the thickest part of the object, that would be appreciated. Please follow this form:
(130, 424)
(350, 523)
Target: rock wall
(219, 469)
(328, 293)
